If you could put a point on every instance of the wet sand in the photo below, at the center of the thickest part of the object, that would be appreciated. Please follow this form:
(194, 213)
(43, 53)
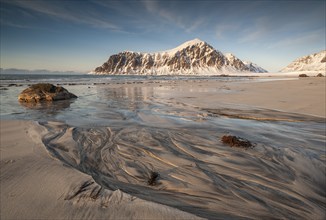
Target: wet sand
(54, 171)
(35, 185)
(296, 95)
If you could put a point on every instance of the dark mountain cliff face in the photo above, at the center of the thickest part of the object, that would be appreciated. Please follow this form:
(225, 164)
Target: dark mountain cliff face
(192, 57)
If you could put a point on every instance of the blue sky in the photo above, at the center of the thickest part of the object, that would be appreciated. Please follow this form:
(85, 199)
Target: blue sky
(81, 35)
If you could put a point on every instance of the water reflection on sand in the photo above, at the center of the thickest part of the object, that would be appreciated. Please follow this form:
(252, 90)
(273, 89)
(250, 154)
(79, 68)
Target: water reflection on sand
(127, 132)
(121, 132)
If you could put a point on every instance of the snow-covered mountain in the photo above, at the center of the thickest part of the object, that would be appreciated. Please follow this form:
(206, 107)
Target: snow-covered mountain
(312, 62)
(242, 65)
(190, 58)
(254, 67)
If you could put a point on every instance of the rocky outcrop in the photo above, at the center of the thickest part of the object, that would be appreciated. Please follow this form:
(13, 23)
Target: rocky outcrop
(44, 92)
(312, 62)
(320, 75)
(254, 67)
(236, 62)
(234, 141)
(192, 57)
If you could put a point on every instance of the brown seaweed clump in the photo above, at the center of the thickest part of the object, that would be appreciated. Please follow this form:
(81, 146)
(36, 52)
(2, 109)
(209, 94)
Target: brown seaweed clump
(152, 181)
(234, 141)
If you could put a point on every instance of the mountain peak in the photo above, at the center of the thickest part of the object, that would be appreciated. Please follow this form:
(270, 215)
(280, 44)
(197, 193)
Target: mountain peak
(229, 55)
(193, 42)
(186, 44)
(192, 57)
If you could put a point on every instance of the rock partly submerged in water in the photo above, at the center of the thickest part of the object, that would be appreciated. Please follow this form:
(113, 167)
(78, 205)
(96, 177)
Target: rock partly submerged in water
(45, 92)
(234, 141)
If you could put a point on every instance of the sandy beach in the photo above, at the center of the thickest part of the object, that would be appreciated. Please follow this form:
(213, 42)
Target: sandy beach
(296, 95)
(152, 109)
(35, 184)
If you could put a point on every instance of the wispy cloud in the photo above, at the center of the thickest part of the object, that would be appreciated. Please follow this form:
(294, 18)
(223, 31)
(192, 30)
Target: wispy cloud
(267, 26)
(196, 24)
(300, 39)
(262, 27)
(167, 15)
(67, 12)
(12, 24)
(222, 30)
(171, 14)
(131, 9)
(133, 16)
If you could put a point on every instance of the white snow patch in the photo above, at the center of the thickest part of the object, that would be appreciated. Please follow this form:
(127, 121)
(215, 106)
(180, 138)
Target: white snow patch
(312, 62)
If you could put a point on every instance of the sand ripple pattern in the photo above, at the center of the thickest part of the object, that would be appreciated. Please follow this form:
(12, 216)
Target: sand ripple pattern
(282, 177)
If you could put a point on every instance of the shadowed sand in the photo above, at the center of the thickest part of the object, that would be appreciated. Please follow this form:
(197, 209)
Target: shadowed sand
(52, 170)
(37, 186)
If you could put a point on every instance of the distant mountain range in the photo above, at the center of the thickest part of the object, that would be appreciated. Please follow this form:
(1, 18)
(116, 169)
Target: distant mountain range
(24, 71)
(193, 57)
(312, 62)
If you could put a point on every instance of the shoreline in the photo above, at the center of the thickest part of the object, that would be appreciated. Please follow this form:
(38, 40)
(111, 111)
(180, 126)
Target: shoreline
(285, 94)
(302, 96)
(36, 185)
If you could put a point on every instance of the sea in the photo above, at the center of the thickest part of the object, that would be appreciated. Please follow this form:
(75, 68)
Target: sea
(122, 129)
(87, 87)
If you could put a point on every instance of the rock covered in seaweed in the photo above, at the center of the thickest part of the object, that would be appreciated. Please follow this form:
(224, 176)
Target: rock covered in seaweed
(45, 92)
(234, 141)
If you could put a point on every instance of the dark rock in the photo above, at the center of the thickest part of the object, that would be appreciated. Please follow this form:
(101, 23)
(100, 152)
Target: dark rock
(45, 92)
(152, 181)
(303, 75)
(320, 75)
(234, 141)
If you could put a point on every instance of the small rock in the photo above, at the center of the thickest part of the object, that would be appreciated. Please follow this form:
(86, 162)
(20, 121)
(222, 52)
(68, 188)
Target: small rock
(303, 75)
(320, 75)
(44, 92)
(234, 141)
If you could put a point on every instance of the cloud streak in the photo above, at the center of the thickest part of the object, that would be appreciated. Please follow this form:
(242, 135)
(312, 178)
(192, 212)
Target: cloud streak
(223, 30)
(299, 40)
(244, 28)
(67, 13)
(170, 14)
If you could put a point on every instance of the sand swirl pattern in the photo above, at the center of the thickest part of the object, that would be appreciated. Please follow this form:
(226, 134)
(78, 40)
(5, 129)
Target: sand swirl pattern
(282, 176)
